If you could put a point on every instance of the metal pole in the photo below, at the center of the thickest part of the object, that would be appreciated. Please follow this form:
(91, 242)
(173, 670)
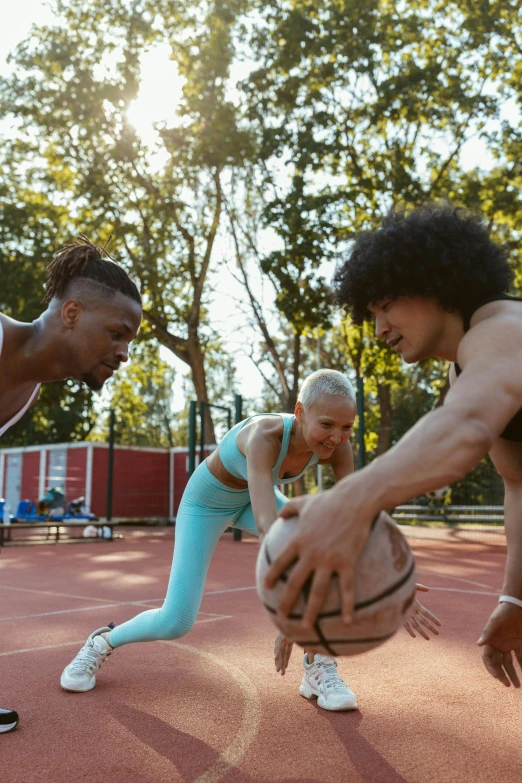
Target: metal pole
(239, 408)
(201, 432)
(192, 438)
(319, 467)
(238, 534)
(110, 469)
(360, 413)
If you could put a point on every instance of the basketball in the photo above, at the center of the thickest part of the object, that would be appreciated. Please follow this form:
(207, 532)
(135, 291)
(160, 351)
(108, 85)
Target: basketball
(384, 590)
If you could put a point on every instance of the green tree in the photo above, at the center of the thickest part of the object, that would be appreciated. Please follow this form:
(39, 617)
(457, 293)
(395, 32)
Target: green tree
(141, 396)
(360, 106)
(73, 84)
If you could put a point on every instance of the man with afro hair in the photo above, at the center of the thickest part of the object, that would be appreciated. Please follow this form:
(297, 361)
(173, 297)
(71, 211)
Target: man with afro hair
(93, 313)
(435, 284)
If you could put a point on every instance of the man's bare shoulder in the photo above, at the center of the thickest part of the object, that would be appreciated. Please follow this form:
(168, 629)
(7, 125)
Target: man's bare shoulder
(10, 336)
(493, 337)
(14, 331)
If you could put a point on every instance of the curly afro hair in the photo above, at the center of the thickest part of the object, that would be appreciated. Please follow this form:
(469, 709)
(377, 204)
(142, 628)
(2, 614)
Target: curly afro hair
(437, 251)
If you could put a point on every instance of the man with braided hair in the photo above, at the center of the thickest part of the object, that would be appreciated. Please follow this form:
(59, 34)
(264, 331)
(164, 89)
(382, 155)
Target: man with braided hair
(93, 313)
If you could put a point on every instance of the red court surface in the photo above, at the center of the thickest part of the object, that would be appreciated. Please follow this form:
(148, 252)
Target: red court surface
(210, 707)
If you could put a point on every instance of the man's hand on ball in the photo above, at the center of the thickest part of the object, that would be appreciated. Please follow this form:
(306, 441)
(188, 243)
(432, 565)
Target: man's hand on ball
(282, 653)
(502, 637)
(420, 619)
(330, 538)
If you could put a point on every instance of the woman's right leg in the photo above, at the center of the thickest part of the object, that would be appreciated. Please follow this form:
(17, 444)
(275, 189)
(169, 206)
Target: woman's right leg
(206, 510)
(197, 534)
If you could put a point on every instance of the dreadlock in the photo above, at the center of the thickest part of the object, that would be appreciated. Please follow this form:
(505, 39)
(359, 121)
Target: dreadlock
(83, 259)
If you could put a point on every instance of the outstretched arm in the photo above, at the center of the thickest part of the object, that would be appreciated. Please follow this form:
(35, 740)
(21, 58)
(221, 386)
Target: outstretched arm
(441, 448)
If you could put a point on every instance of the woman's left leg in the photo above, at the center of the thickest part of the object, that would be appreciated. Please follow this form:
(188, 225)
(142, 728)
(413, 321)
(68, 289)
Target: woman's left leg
(321, 680)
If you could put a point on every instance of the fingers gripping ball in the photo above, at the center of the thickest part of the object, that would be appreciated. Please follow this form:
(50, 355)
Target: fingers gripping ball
(384, 590)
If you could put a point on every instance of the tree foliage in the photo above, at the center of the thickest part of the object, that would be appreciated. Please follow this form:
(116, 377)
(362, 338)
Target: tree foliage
(298, 124)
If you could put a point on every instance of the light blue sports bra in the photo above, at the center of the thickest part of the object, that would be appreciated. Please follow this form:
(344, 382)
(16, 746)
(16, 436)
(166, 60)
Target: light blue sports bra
(236, 463)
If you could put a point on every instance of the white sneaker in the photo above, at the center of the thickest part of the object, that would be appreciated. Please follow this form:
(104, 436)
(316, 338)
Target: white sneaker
(80, 674)
(321, 681)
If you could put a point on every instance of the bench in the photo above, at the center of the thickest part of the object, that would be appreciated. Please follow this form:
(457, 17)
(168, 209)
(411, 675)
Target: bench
(56, 530)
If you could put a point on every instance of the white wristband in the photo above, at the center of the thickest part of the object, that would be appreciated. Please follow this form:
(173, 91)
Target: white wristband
(508, 599)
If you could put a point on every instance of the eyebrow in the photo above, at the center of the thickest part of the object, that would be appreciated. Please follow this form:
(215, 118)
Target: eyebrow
(329, 418)
(124, 327)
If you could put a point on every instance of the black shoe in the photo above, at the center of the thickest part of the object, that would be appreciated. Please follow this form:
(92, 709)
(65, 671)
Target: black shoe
(8, 720)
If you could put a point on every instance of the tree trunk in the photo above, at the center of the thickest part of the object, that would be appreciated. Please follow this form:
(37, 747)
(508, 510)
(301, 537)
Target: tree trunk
(189, 351)
(293, 391)
(199, 380)
(384, 399)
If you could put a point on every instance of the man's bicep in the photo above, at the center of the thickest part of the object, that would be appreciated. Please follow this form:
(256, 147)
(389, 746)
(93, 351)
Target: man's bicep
(489, 389)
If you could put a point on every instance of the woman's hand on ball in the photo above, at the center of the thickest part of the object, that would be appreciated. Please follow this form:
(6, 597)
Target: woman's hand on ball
(282, 653)
(330, 539)
(419, 618)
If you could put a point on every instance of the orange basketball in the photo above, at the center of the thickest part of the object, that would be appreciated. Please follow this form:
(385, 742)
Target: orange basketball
(384, 590)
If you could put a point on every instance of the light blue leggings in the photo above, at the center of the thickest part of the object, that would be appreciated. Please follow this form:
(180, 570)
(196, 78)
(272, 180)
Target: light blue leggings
(207, 508)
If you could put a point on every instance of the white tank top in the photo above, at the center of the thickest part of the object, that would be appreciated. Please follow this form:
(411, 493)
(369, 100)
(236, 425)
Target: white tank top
(29, 402)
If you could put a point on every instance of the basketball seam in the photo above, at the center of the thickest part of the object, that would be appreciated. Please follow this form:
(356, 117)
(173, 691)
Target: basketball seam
(360, 605)
(325, 642)
(310, 642)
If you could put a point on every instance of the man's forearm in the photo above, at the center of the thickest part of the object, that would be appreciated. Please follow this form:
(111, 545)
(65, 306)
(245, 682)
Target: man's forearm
(441, 448)
(513, 526)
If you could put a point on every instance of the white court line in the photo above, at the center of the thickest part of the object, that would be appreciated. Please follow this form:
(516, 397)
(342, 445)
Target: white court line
(143, 602)
(457, 590)
(209, 592)
(54, 592)
(460, 579)
(46, 647)
(60, 611)
(229, 590)
(250, 722)
(214, 619)
(91, 609)
(218, 617)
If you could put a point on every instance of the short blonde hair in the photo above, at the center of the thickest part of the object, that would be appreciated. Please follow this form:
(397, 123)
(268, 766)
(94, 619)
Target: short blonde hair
(328, 381)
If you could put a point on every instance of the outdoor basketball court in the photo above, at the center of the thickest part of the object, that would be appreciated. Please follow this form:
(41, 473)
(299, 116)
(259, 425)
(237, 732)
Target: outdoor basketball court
(210, 707)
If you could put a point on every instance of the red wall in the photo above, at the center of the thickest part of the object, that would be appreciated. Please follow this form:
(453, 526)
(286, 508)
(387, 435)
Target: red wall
(180, 469)
(141, 479)
(180, 477)
(30, 475)
(100, 462)
(140, 484)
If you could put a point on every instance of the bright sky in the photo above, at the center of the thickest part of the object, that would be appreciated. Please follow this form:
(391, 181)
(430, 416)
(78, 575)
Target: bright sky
(160, 78)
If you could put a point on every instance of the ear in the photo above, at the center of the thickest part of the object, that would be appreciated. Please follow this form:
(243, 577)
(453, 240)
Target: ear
(71, 312)
(299, 411)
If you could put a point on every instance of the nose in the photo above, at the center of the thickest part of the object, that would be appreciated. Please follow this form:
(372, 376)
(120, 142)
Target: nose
(382, 327)
(122, 352)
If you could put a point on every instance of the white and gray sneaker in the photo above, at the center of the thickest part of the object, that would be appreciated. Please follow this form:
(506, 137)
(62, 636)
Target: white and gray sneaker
(321, 681)
(80, 674)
